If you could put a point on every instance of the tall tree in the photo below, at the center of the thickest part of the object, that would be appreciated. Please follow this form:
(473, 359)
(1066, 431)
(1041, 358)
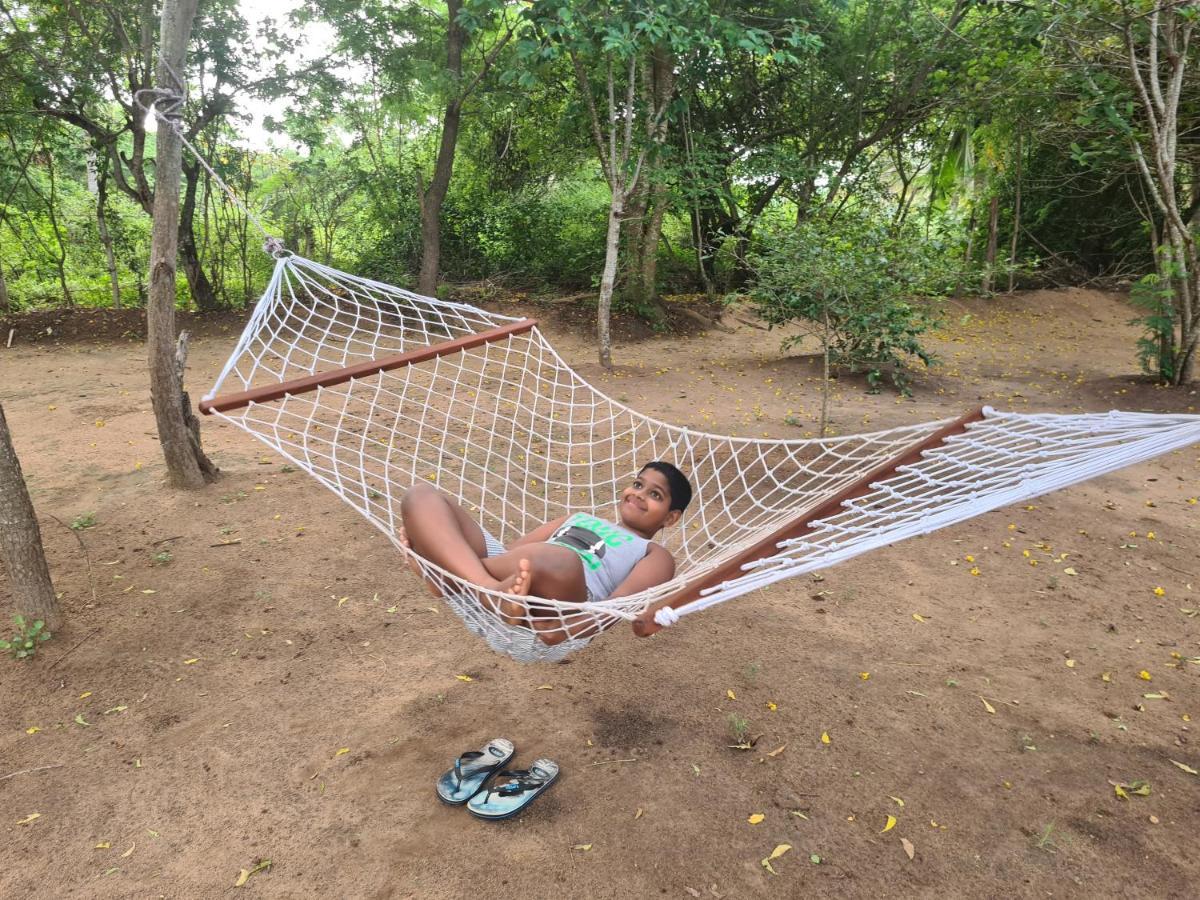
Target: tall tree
(98, 185)
(812, 126)
(85, 64)
(414, 47)
(611, 47)
(21, 549)
(433, 196)
(648, 207)
(178, 432)
(1136, 63)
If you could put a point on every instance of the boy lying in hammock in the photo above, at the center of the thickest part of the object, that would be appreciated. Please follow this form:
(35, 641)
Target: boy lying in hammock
(575, 558)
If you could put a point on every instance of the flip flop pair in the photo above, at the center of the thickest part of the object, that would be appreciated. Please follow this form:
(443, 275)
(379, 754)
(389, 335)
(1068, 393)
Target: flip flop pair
(479, 781)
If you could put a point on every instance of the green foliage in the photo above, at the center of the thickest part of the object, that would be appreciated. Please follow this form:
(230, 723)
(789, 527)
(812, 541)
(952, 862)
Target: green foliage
(1077, 218)
(87, 520)
(1155, 297)
(739, 728)
(855, 282)
(538, 234)
(555, 236)
(26, 638)
(884, 127)
(1047, 840)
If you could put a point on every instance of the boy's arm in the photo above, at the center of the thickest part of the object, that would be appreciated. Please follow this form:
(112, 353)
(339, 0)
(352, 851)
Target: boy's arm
(540, 534)
(656, 567)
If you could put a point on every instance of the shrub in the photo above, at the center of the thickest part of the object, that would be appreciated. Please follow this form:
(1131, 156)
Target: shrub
(856, 282)
(1154, 296)
(27, 635)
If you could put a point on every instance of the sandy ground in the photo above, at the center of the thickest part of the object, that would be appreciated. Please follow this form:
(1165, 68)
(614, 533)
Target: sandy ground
(248, 673)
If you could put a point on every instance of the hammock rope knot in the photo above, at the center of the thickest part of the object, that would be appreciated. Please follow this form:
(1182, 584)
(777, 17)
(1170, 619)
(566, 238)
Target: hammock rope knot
(274, 246)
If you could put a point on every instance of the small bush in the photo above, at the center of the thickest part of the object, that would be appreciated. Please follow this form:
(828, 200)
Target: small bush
(24, 642)
(1154, 296)
(856, 282)
(739, 728)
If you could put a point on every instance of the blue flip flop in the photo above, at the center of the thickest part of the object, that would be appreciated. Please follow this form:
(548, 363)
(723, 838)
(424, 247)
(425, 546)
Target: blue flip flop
(472, 770)
(510, 792)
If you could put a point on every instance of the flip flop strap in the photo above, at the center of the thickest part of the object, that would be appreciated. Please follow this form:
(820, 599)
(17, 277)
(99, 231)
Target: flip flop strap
(471, 756)
(519, 785)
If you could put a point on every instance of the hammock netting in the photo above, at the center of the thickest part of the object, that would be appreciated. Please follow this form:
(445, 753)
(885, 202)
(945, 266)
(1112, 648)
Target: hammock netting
(494, 417)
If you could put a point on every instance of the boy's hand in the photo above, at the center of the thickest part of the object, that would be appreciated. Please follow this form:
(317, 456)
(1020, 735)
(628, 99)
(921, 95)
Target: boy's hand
(644, 625)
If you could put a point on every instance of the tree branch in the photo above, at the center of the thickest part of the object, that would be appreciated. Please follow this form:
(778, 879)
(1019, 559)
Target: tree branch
(585, 88)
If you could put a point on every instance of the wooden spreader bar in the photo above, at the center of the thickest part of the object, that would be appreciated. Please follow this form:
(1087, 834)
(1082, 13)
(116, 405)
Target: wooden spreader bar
(269, 392)
(645, 625)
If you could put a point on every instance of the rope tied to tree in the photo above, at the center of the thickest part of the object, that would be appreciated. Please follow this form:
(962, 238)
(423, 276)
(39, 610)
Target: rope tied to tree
(274, 246)
(166, 104)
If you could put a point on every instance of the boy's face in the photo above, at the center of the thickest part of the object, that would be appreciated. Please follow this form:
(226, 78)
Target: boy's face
(645, 505)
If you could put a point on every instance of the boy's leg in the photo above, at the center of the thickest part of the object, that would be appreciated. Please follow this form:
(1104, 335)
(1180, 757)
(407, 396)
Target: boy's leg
(537, 570)
(443, 532)
(557, 629)
(554, 572)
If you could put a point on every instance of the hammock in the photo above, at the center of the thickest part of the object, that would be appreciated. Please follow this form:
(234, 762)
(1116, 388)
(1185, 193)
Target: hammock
(372, 389)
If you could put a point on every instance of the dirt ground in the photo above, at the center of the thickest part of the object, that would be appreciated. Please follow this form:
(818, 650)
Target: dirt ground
(248, 673)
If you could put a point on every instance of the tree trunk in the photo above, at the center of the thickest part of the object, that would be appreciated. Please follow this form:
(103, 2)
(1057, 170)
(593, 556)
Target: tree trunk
(60, 259)
(650, 239)
(701, 268)
(658, 86)
(5, 303)
(21, 541)
(433, 197)
(187, 466)
(1016, 228)
(825, 369)
(1158, 85)
(989, 272)
(105, 237)
(694, 212)
(308, 241)
(633, 234)
(1191, 346)
(201, 288)
(612, 247)
(1166, 337)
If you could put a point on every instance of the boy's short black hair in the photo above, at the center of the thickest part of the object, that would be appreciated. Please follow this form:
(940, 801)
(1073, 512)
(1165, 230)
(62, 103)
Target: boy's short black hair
(681, 488)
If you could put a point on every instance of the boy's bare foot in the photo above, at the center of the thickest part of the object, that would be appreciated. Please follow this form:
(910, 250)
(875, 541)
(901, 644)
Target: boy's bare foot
(514, 612)
(402, 536)
(556, 629)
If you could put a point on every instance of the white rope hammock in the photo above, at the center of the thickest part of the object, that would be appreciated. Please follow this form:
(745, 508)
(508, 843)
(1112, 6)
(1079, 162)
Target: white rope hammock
(372, 389)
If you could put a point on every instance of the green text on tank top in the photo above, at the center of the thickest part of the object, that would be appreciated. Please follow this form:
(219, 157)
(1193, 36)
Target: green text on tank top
(606, 531)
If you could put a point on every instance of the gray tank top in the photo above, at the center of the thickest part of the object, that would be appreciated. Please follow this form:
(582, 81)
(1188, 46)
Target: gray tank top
(609, 552)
